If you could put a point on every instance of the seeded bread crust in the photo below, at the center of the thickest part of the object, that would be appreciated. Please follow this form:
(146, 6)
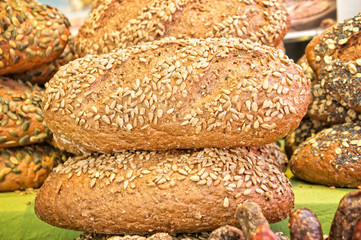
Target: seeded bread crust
(138, 192)
(44, 72)
(21, 117)
(26, 38)
(116, 24)
(26, 167)
(335, 57)
(176, 94)
(332, 157)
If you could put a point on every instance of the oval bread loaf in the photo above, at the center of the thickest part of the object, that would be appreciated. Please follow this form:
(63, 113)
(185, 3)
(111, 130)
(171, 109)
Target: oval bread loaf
(21, 117)
(176, 94)
(332, 157)
(31, 34)
(116, 24)
(177, 191)
(26, 167)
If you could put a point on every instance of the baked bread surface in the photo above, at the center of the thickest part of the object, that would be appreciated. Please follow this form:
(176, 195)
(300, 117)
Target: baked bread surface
(332, 157)
(119, 24)
(31, 34)
(176, 94)
(138, 192)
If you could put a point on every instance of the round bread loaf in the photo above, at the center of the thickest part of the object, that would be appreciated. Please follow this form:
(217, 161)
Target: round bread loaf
(332, 157)
(21, 117)
(180, 94)
(114, 24)
(177, 191)
(44, 72)
(26, 167)
(335, 56)
(31, 34)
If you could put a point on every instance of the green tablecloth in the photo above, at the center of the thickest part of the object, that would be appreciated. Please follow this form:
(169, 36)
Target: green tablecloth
(18, 220)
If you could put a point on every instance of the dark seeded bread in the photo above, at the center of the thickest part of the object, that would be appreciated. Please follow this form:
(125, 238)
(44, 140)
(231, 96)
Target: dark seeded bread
(332, 157)
(176, 94)
(138, 192)
(31, 34)
(114, 24)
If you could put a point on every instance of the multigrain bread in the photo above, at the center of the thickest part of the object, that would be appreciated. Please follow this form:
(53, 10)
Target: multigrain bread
(31, 34)
(21, 117)
(44, 72)
(335, 57)
(116, 24)
(26, 167)
(332, 157)
(307, 128)
(138, 192)
(176, 94)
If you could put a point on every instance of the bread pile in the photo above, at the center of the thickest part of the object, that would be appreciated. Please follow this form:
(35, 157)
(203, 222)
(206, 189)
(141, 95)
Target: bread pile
(332, 156)
(171, 135)
(33, 37)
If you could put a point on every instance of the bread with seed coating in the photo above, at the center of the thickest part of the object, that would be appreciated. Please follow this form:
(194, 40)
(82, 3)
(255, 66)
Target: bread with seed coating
(21, 116)
(26, 167)
(177, 191)
(171, 94)
(32, 34)
(332, 157)
(119, 24)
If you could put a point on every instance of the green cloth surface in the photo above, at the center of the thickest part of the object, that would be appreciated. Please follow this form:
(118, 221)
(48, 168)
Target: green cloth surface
(18, 220)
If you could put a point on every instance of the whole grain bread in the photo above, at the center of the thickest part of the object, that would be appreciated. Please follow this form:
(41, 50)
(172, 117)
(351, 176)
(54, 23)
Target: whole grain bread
(44, 72)
(332, 157)
(114, 24)
(21, 116)
(177, 191)
(335, 57)
(172, 94)
(26, 167)
(31, 34)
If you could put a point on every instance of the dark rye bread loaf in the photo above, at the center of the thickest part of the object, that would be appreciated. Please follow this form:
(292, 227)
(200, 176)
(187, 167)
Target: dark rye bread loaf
(26, 167)
(335, 57)
(176, 94)
(332, 157)
(114, 24)
(21, 117)
(176, 191)
(31, 34)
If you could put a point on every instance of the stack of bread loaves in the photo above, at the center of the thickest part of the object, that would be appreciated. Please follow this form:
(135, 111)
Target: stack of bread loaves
(32, 36)
(332, 156)
(171, 135)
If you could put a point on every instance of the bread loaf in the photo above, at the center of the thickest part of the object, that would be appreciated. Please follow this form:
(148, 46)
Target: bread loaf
(138, 192)
(46, 71)
(31, 34)
(332, 157)
(335, 57)
(116, 24)
(176, 94)
(26, 167)
(21, 117)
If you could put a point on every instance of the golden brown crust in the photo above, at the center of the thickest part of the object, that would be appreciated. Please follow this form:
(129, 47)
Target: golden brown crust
(335, 56)
(31, 34)
(332, 157)
(173, 191)
(21, 117)
(188, 94)
(44, 72)
(26, 167)
(147, 20)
